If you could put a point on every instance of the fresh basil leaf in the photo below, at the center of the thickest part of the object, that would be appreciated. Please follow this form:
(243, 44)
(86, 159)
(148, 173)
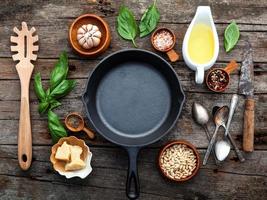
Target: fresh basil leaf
(60, 71)
(149, 20)
(126, 24)
(54, 104)
(231, 36)
(47, 92)
(62, 89)
(55, 127)
(52, 117)
(42, 107)
(38, 88)
(57, 132)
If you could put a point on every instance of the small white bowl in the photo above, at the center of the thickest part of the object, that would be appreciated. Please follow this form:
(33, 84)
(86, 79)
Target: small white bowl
(82, 173)
(86, 156)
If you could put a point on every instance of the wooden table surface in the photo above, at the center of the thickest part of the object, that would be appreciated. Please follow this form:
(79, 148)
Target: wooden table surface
(232, 180)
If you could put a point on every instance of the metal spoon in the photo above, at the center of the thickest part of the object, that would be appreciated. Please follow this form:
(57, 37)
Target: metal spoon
(220, 119)
(222, 147)
(201, 116)
(225, 143)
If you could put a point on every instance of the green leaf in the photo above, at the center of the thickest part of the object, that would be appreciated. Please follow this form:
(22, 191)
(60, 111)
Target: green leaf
(62, 89)
(55, 127)
(231, 36)
(149, 20)
(60, 71)
(54, 104)
(38, 88)
(126, 24)
(42, 107)
(47, 92)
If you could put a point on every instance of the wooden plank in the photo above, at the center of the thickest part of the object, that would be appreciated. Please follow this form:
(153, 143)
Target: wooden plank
(185, 128)
(21, 188)
(51, 46)
(43, 12)
(187, 81)
(109, 174)
(232, 180)
(81, 69)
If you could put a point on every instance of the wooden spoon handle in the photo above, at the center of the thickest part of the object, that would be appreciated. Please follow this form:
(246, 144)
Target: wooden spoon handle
(25, 135)
(173, 56)
(232, 65)
(248, 128)
(90, 134)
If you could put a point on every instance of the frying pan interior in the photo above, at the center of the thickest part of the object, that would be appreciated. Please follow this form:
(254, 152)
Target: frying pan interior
(133, 98)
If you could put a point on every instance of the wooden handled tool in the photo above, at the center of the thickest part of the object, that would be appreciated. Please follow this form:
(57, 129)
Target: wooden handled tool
(248, 127)
(246, 87)
(24, 48)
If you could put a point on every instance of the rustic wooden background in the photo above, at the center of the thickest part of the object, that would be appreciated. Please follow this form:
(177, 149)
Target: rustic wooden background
(232, 180)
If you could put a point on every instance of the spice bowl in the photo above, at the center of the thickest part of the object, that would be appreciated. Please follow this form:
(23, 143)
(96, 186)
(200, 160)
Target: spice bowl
(75, 123)
(178, 161)
(86, 156)
(103, 28)
(218, 79)
(163, 39)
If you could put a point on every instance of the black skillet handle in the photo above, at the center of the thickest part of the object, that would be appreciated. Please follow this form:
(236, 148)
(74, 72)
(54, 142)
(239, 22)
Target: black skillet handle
(132, 185)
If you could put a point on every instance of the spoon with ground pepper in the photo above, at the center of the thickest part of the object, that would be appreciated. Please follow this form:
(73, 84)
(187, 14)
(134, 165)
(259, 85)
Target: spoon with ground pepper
(75, 122)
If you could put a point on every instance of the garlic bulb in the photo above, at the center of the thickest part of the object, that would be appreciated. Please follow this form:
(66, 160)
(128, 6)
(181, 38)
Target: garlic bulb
(89, 36)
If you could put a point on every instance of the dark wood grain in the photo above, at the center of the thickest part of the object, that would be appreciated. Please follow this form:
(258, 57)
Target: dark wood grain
(232, 180)
(186, 128)
(109, 174)
(50, 47)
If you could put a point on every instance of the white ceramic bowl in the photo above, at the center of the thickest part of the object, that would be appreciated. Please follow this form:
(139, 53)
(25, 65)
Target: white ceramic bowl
(86, 155)
(83, 173)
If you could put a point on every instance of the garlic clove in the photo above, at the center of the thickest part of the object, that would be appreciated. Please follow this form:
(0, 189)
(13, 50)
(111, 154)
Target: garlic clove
(84, 27)
(97, 34)
(85, 46)
(79, 36)
(89, 27)
(96, 41)
(80, 31)
(82, 41)
(94, 29)
(89, 44)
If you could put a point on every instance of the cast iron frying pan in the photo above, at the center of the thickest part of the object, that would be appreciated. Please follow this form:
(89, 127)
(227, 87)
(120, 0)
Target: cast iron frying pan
(133, 98)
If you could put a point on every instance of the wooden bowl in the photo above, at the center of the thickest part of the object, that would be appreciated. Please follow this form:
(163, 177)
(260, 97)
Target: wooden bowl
(103, 27)
(227, 79)
(231, 66)
(173, 55)
(189, 145)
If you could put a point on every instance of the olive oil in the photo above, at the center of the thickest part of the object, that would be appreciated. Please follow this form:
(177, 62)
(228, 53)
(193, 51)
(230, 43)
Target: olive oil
(201, 44)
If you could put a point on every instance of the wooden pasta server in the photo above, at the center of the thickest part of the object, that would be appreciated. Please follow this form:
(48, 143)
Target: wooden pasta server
(246, 87)
(24, 49)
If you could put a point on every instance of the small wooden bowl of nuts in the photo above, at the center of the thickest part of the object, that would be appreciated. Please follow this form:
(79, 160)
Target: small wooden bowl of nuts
(179, 161)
